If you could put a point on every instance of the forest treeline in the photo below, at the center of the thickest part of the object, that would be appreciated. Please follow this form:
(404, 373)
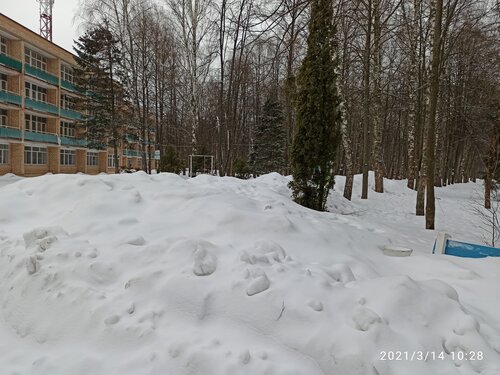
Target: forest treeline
(213, 77)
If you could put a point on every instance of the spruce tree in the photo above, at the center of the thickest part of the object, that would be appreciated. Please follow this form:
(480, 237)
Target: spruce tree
(269, 150)
(170, 162)
(317, 131)
(99, 58)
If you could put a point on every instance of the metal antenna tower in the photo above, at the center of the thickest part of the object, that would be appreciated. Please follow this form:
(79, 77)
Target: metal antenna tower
(46, 18)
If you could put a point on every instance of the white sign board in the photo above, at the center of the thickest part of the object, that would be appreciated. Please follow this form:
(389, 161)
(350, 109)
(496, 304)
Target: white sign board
(157, 155)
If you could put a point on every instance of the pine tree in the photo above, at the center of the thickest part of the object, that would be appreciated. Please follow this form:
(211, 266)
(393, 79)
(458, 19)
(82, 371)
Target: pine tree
(317, 132)
(99, 58)
(269, 150)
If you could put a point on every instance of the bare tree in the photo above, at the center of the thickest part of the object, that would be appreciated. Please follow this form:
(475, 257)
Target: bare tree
(194, 24)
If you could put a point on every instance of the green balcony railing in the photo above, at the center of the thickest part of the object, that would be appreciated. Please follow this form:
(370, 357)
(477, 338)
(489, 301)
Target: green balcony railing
(69, 141)
(132, 153)
(10, 97)
(10, 133)
(41, 74)
(41, 106)
(40, 137)
(132, 138)
(68, 86)
(11, 62)
(68, 113)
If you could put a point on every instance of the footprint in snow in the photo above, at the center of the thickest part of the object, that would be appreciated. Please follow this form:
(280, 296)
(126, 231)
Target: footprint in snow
(113, 319)
(128, 221)
(245, 357)
(205, 263)
(364, 318)
(259, 284)
(137, 241)
(32, 264)
(315, 305)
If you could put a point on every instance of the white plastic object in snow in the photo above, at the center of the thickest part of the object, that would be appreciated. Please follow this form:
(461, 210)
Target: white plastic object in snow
(397, 251)
(440, 246)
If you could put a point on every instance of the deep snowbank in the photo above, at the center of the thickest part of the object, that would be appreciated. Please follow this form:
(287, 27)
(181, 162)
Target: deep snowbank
(137, 274)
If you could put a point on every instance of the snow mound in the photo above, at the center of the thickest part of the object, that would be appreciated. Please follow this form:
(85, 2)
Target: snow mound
(137, 274)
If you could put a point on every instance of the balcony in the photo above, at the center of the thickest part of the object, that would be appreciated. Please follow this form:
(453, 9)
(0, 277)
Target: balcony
(40, 137)
(68, 86)
(41, 74)
(69, 141)
(13, 133)
(132, 138)
(11, 63)
(69, 113)
(132, 153)
(10, 97)
(41, 106)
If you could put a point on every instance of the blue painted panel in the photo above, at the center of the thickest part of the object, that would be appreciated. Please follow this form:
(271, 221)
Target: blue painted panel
(40, 137)
(467, 250)
(42, 74)
(11, 62)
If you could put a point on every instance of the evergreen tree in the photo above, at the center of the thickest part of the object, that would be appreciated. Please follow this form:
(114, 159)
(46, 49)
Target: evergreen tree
(170, 161)
(241, 169)
(270, 142)
(317, 132)
(99, 58)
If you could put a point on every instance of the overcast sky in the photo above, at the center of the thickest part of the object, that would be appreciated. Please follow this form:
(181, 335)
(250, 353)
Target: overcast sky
(26, 12)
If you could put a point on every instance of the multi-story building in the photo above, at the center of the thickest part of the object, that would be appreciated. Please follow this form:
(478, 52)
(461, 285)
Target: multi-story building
(38, 131)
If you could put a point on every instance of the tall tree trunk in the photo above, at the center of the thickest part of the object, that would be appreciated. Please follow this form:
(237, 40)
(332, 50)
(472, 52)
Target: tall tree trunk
(421, 182)
(490, 169)
(377, 102)
(346, 143)
(290, 85)
(430, 211)
(413, 97)
(366, 118)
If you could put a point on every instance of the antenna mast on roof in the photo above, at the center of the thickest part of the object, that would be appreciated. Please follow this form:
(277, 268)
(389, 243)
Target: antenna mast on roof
(46, 18)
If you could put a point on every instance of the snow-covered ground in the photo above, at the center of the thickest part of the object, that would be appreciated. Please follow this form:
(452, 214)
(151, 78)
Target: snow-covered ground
(136, 275)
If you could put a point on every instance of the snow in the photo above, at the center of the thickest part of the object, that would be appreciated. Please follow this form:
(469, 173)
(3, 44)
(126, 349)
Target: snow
(136, 274)
(205, 263)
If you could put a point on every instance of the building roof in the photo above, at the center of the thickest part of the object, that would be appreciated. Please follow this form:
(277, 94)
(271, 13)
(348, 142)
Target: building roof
(26, 34)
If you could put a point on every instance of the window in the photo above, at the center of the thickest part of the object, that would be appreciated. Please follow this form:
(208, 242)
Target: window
(92, 158)
(111, 161)
(35, 92)
(67, 129)
(3, 82)
(67, 102)
(35, 123)
(3, 45)
(35, 59)
(35, 155)
(4, 153)
(68, 157)
(67, 73)
(3, 117)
